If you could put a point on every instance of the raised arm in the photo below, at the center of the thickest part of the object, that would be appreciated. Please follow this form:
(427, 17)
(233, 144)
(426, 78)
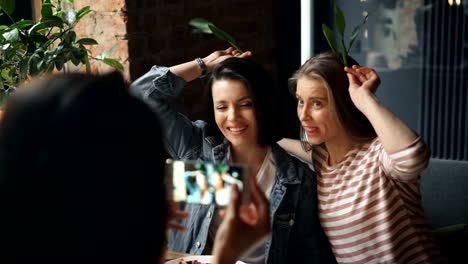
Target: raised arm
(161, 85)
(192, 70)
(392, 132)
(158, 88)
(294, 147)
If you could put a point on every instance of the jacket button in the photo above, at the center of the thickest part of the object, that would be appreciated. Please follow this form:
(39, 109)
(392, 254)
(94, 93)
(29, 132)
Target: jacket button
(291, 222)
(209, 214)
(198, 244)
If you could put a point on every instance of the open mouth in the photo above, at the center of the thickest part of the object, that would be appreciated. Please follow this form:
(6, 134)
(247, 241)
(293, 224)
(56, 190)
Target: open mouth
(311, 130)
(237, 130)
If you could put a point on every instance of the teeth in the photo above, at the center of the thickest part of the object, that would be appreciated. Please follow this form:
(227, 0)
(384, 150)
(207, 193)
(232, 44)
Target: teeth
(237, 129)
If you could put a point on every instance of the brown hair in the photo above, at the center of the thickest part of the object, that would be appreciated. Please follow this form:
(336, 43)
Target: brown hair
(328, 68)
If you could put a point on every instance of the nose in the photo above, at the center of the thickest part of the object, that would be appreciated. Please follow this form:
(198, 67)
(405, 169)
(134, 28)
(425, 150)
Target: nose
(303, 114)
(233, 113)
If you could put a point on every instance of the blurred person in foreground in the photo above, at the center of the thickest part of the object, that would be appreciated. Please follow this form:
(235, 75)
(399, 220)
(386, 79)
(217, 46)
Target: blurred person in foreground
(81, 178)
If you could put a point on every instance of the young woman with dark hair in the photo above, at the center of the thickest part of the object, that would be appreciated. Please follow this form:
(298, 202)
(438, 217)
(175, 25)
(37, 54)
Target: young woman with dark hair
(243, 132)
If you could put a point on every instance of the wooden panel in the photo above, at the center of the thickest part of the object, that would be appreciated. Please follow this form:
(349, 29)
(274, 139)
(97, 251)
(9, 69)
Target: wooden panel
(36, 8)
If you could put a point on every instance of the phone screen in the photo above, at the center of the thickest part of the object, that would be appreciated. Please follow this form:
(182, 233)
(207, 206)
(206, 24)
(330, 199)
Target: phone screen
(204, 183)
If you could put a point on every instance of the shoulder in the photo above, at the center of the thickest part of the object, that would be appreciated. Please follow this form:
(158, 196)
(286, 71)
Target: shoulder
(291, 168)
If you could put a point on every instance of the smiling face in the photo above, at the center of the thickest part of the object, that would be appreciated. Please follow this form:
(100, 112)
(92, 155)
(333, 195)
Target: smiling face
(315, 111)
(234, 112)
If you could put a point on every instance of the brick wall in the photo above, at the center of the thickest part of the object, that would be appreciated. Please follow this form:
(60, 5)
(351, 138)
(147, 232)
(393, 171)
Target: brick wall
(107, 24)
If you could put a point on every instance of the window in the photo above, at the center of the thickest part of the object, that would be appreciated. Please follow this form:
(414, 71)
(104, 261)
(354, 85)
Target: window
(420, 49)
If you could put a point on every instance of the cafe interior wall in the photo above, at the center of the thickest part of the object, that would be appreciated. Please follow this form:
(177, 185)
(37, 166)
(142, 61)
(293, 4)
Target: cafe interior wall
(156, 32)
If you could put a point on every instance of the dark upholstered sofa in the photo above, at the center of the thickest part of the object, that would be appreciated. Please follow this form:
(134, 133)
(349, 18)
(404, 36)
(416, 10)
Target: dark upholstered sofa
(444, 189)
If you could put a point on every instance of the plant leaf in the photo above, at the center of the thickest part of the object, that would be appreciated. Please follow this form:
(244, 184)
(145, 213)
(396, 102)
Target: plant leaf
(59, 64)
(356, 32)
(224, 36)
(87, 41)
(330, 37)
(201, 25)
(74, 59)
(53, 21)
(82, 12)
(8, 6)
(33, 64)
(12, 36)
(113, 63)
(340, 21)
(6, 74)
(46, 9)
(220, 33)
(23, 68)
(38, 38)
(23, 23)
(48, 22)
(107, 53)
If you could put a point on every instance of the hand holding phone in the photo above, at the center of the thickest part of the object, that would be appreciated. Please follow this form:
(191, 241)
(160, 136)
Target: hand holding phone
(205, 183)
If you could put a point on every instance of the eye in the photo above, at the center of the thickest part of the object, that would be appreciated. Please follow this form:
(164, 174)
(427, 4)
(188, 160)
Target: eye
(317, 104)
(221, 107)
(300, 102)
(246, 104)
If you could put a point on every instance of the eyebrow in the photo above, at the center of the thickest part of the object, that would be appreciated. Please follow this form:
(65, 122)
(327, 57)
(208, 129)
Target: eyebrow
(313, 98)
(241, 99)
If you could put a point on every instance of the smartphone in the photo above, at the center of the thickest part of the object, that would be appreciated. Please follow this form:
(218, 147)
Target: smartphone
(204, 182)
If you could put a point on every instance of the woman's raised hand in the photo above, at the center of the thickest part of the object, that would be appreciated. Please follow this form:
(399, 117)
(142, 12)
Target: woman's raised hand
(220, 55)
(243, 226)
(192, 69)
(363, 82)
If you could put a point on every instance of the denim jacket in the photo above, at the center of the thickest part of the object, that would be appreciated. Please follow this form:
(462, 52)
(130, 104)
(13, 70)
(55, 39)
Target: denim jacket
(296, 232)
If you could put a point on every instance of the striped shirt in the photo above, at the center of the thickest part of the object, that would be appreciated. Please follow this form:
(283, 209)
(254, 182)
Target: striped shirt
(370, 205)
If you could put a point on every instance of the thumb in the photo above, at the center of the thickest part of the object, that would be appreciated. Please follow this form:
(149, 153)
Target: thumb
(353, 81)
(232, 211)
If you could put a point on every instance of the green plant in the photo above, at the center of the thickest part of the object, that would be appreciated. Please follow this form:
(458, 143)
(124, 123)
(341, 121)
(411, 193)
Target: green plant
(340, 24)
(29, 48)
(202, 25)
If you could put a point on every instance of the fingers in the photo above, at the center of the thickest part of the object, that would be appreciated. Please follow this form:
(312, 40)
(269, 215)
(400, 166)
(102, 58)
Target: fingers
(232, 212)
(359, 76)
(245, 54)
(222, 213)
(229, 50)
(259, 200)
(368, 72)
(364, 77)
(235, 53)
(249, 215)
(353, 79)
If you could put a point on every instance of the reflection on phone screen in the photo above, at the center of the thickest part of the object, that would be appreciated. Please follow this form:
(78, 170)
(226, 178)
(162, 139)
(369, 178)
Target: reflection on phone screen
(204, 183)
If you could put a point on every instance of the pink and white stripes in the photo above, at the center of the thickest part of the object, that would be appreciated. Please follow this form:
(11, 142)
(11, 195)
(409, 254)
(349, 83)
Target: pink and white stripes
(370, 205)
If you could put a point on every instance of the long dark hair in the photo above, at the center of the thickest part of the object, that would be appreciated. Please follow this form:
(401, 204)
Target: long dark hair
(327, 67)
(81, 173)
(261, 85)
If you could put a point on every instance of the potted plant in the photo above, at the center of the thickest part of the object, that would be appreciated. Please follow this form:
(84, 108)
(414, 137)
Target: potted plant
(29, 48)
